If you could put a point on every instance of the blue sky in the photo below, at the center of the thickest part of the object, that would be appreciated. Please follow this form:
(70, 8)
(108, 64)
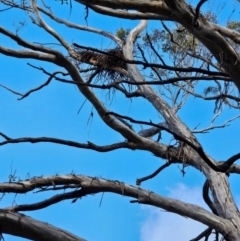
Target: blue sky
(52, 112)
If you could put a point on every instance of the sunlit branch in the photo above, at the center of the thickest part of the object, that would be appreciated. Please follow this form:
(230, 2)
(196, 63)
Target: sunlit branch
(157, 7)
(48, 28)
(126, 14)
(96, 185)
(81, 27)
(229, 33)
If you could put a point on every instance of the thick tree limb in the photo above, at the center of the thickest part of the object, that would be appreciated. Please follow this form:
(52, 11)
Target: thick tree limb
(125, 14)
(95, 185)
(23, 226)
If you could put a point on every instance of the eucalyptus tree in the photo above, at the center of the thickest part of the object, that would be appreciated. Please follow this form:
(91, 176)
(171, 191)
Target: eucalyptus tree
(189, 55)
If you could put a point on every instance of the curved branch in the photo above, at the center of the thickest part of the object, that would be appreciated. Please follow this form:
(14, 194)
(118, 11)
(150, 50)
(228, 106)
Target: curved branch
(59, 59)
(95, 185)
(154, 174)
(231, 160)
(80, 27)
(234, 169)
(26, 54)
(23, 226)
(41, 86)
(48, 28)
(229, 33)
(206, 233)
(201, 2)
(26, 44)
(157, 7)
(206, 198)
(212, 127)
(50, 201)
(125, 14)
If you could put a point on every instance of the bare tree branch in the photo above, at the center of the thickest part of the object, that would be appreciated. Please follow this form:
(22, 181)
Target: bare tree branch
(211, 127)
(95, 185)
(125, 14)
(89, 145)
(80, 27)
(48, 28)
(154, 174)
(201, 2)
(32, 229)
(13, 91)
(206, 233)
(223, 167)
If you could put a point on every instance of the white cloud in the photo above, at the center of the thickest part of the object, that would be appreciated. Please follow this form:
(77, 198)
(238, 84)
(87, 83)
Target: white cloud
(161, 225)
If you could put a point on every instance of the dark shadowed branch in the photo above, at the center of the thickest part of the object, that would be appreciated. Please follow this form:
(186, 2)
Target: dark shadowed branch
(89, 145)
(206, 233)
(142, 179)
